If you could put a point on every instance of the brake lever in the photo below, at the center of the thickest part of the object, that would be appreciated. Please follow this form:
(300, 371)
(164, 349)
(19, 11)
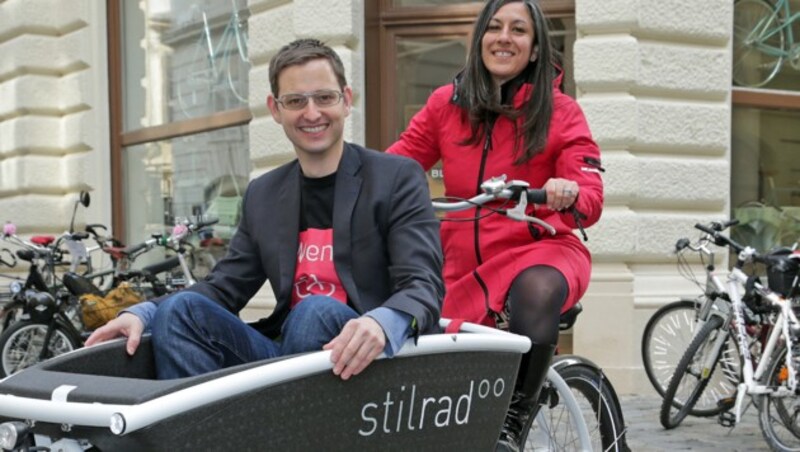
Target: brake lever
(518, 213)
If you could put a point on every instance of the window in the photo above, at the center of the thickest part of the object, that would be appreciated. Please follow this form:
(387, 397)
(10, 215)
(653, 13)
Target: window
(765, 142)
(179, 107)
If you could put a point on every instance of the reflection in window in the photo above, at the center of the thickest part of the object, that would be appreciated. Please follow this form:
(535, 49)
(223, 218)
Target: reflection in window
(765, 43)
(200, 175)
(183, 59)
(765, 184)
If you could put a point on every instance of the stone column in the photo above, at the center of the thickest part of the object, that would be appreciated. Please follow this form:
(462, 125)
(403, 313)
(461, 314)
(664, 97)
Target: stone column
(653, 77)
(53, 113)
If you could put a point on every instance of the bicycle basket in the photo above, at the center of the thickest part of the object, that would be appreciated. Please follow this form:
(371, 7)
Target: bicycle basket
(783, 275)
(97, 310)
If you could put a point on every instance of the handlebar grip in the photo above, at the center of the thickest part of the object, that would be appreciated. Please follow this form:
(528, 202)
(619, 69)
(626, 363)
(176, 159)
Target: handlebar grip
(134, 248)
(537, 196)
(79, 235)
(205, 223)
(705, 229)
(729, 223)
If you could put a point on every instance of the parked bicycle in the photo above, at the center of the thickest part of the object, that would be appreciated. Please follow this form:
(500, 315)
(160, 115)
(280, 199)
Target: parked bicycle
(672, 327)
(8, 312)
(763, 40)
(216, 67)
(771, 379)
(55, 322)
(577, 398)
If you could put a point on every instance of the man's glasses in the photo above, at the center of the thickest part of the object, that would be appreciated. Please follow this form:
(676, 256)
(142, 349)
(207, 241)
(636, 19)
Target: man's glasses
(322, 98)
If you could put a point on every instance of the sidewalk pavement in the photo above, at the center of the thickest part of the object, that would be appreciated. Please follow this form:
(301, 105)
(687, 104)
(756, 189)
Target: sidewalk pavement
(645, 432)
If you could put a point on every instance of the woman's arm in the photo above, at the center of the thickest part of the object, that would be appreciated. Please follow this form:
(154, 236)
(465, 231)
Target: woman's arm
(420, 140)
(579, 161)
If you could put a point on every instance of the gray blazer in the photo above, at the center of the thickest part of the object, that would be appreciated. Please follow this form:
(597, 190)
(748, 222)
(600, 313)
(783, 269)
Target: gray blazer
(385, 239)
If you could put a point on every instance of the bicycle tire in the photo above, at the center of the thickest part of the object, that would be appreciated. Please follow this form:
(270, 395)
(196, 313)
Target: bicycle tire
(599, 403)
(21, 345)
(779, 416)
(666, 336)
(558, 423)
(752, 65)
(686, 377)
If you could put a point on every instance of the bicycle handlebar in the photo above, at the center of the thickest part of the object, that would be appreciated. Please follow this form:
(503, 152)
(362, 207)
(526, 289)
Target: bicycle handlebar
(497, 188)
(180, 232)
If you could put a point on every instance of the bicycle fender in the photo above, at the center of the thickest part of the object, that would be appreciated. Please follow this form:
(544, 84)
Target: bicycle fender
(562, 361)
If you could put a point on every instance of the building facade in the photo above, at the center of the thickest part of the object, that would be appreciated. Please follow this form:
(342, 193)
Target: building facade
(158, 108)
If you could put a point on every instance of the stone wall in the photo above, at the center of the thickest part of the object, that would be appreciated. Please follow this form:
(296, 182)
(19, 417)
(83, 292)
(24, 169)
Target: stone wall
(54, 128)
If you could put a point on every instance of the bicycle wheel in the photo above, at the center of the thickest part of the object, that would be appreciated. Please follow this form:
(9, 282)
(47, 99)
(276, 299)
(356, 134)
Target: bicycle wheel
(666, 337)
(599, 403)
(559, 423)
(21, 345)
(758, 43)
(779, 408)
(689, 381)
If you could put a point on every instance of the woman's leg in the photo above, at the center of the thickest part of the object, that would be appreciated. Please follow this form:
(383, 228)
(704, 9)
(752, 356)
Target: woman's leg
(535, 300)
(193, 335)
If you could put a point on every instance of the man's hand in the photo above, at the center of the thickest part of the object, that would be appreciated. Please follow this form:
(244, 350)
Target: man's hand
(126, 324)
(359, 343)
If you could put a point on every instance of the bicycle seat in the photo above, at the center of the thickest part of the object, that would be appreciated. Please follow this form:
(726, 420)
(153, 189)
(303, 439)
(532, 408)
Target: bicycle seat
(42, 240)
(116, 252)
(568, 318)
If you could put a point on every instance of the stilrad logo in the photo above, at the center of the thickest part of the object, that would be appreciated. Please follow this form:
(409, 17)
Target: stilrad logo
(412, 408)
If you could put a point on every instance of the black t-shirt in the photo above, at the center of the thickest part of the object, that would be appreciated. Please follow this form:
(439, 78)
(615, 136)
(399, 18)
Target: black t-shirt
(316, 202)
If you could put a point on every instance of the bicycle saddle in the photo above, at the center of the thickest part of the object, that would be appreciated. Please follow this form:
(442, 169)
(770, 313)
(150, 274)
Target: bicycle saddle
(43, 240)
(568, 318)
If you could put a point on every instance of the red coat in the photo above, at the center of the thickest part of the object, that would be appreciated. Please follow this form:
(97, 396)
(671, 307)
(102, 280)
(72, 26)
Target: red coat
(481, 262)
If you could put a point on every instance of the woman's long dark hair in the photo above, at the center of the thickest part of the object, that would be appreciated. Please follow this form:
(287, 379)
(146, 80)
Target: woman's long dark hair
(477, 93)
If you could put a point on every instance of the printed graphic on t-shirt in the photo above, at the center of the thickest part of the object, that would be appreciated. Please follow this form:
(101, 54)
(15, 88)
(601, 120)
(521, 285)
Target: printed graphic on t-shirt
(315, 274)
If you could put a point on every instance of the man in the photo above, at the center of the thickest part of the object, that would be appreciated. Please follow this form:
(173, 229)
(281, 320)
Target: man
(346, 236)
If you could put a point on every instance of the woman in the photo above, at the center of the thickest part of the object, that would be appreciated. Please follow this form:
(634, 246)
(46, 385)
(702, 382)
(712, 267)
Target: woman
(504, 114)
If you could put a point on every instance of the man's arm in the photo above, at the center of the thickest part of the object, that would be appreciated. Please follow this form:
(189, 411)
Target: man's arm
(415, 272)
(414, 249)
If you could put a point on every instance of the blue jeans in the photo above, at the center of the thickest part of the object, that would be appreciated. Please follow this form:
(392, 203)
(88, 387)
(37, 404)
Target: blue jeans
(193, 335)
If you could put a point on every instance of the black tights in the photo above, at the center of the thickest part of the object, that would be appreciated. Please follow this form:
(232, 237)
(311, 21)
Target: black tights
(535, 300)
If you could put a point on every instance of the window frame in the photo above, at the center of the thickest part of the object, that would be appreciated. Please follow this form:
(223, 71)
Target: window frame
(120, 139)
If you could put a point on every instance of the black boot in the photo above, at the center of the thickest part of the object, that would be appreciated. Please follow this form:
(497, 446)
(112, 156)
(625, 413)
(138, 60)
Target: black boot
(531, 376)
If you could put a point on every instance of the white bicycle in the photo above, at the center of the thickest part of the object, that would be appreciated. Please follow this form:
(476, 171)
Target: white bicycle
(579, 408)
(771, 378)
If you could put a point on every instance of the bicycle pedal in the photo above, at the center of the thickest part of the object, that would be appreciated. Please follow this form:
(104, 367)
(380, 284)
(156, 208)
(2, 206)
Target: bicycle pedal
(548, 397)
(726, 404)
(727, 419)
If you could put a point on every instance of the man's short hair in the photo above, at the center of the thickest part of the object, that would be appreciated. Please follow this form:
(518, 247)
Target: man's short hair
(300, 52)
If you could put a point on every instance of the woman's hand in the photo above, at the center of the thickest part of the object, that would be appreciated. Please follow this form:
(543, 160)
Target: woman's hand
(561, 193)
